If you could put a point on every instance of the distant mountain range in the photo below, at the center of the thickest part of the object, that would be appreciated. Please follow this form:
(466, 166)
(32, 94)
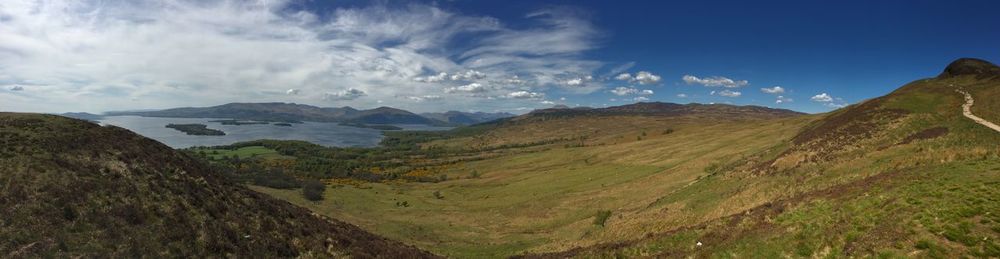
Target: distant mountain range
(663, 109)
(291, 112)
(466, 118)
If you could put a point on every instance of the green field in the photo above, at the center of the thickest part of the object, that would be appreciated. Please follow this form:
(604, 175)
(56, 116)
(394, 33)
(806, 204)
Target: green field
(242, 153)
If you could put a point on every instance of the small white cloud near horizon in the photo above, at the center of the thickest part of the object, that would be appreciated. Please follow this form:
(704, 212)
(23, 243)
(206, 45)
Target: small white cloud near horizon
(773, 90)
(292, 91)
(525, 95)
(682, 95)
(623, 91)
(348, 94)
(469, 88)
(782, 99)
(715, 81)
(728, 93)
(823, 98)
(640, 99)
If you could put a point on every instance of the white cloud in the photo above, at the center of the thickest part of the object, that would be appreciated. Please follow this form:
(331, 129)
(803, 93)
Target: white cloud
(525, 95)
(103, 54)
(715, 81)
(432, 79)
(782, 99)
(823, 98)
(17, 88)
(835, 105)
(728, 93)
(468, 75)
(548, 102)
(773, 90)
(623, 91)
(640, 99)
(292, 91)
(682, 95)
(641, 77)
(646, 78)
(349, 94)
(423, 98)
(469, 88)
(579, 81)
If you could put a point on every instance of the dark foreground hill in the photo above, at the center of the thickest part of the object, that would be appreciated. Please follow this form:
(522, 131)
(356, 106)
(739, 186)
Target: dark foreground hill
(72, 188)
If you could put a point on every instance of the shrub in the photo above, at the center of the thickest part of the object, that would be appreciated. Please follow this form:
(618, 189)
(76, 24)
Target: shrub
(313, 190)
(602, 217)
(437, 194)
(275, 179)
(474, 174)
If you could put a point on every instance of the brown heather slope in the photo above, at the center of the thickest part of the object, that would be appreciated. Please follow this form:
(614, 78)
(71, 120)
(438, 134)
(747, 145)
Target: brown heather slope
(903, 175)
(71, 188)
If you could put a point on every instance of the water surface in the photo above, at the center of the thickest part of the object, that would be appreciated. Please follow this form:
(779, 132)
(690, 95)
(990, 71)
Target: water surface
(326, 134)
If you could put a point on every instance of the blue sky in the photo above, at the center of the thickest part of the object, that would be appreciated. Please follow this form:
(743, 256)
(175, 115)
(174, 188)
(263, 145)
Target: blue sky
(476, 55)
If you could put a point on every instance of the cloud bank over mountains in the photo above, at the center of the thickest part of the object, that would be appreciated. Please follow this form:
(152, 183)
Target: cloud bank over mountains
(101, 55)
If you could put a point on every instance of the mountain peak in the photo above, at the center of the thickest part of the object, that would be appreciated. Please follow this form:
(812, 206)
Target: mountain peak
(970, 66)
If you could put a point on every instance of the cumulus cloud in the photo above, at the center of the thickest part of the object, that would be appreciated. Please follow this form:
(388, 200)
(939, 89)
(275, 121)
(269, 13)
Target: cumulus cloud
(349, 94)
(102, 54)
(728, 93)
(579, 81)
(547, 102)
(715, 81)
(432, 79)
(16, 88)
(829, 101)
(623, 91)
(823, 98)
(773, 90)
(468, 75)
(292, 91)
(682, 95)
(781, 99)
(640, 99)
(641, 77)
(525, 95)
(469, 88)
(646, 78)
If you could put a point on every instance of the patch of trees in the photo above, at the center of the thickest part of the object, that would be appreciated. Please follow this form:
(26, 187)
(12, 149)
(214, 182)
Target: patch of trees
(313, 190)
(196, 129)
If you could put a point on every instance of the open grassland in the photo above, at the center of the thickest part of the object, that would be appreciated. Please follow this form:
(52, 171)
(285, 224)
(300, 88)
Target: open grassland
(241, 153)
(547, 199)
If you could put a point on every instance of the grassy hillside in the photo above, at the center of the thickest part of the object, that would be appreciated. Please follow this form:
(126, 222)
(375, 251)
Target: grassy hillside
(76, 189)
(901, 175)
(543, 190)
(905, 174)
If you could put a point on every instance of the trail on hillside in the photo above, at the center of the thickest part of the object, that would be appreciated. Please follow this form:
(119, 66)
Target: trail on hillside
(967, 111)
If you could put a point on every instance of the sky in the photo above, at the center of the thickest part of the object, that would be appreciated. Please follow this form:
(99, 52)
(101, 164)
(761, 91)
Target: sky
(491, 56)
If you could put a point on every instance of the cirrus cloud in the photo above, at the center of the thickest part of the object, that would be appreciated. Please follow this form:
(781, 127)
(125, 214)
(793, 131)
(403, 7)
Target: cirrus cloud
(715, 81)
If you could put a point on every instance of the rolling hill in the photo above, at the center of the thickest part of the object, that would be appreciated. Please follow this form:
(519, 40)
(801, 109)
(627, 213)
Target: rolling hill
(902, 175)
(76, 189)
